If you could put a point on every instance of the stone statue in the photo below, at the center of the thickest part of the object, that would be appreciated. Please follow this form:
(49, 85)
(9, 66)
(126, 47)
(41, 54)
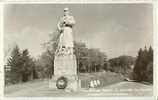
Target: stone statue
(65, 64)
(64, 26)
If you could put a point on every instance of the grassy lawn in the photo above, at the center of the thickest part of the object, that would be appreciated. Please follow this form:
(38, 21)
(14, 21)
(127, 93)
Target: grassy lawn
(106, 78)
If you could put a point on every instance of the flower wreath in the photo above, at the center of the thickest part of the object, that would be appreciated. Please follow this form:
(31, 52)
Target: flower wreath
(61, 82)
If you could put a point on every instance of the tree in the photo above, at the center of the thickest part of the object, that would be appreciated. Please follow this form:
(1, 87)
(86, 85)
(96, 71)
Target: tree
(15, 63)
(27, 67)
(34, 70)
(150, 54)
(88, 60)
(143, 69)
(45, 65)
(47, 57)
(149, 69)
(81, 52)
(138, 65)
(96, 60)
(121, 64)
(22, 66)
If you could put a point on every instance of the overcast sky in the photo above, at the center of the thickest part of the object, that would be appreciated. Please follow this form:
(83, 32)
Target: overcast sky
(116, 29)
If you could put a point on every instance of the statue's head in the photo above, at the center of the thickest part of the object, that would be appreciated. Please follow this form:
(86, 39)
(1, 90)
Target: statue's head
(66, 11)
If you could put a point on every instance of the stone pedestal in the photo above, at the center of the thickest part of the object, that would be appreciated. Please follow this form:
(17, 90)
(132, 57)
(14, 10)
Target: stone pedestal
(66, 66)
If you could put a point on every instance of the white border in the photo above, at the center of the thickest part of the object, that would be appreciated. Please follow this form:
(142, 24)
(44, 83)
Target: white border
(1, 53)
(155, 23)
(155, 36)
(78, 1)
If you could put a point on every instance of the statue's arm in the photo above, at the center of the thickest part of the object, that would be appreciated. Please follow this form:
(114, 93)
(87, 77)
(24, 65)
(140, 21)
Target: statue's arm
(59, 26)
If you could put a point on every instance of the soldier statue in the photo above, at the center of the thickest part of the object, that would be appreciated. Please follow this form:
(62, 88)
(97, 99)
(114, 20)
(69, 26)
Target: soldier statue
(64, 26)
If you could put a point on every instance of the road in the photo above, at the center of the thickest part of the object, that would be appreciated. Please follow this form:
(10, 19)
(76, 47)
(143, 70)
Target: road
(40, 89)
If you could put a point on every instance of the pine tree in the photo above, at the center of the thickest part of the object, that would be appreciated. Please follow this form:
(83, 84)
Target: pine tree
(149, 67)
(138, 65)
(27, 67)
(144, 62)
(150, 54)
(15, 63)
(21, 65)
(143, 70)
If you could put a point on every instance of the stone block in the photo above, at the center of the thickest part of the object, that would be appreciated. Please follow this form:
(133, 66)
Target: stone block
(66, 66)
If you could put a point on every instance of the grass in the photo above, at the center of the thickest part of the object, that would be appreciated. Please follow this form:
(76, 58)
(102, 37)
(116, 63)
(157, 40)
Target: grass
(106, 78)
(39, 88)
(19, 86)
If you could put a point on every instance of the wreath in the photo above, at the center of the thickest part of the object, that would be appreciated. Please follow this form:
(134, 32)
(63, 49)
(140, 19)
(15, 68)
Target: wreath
(61, 82)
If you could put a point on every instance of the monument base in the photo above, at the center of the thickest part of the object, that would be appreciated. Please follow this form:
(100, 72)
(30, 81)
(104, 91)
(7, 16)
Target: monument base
(65, 66)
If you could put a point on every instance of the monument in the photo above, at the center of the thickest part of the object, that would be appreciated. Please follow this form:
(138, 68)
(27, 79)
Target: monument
(65, 66)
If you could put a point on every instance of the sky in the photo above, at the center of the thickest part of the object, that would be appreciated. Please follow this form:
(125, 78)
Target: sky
(116, 29)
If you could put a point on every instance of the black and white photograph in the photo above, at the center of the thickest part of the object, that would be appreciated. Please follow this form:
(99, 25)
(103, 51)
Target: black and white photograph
(78, 50)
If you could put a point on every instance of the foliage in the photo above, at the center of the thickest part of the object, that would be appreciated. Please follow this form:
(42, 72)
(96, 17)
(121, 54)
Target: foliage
(21, 66)
(143, 69)
(45, 65)
(121, 64)
(15, 63)
(89, 60)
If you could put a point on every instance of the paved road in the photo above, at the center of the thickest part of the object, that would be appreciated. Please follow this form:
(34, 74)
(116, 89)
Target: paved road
(40, 89)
